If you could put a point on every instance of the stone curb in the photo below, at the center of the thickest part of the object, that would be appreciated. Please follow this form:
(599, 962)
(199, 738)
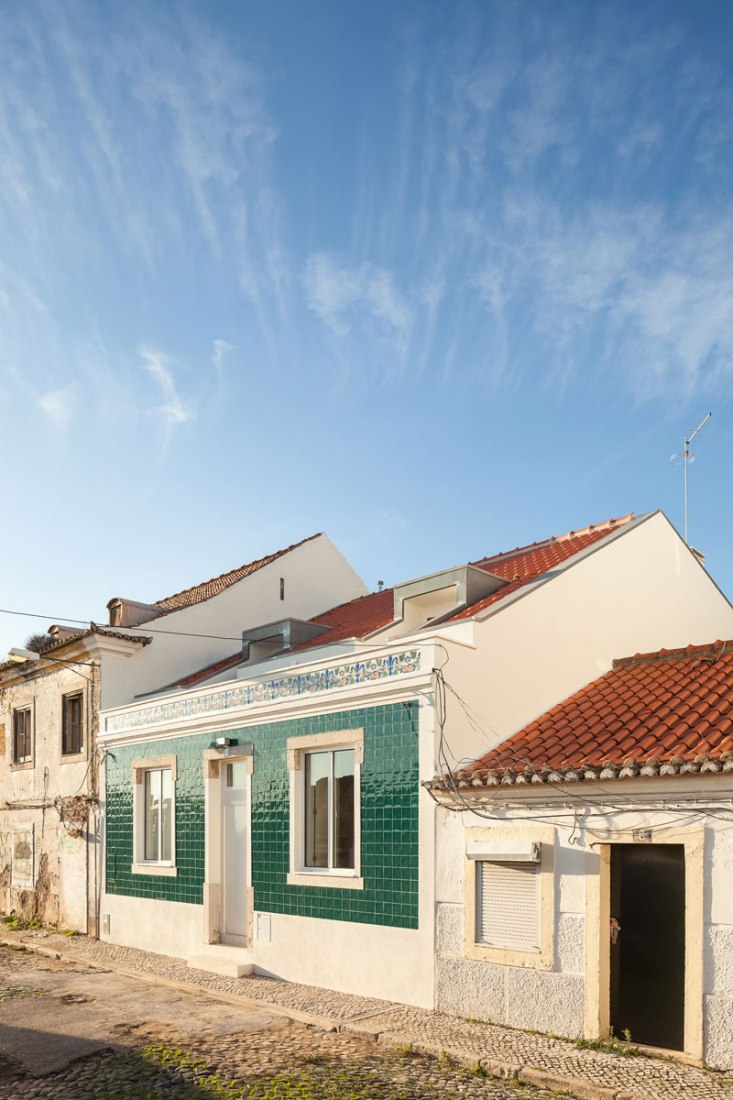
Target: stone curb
(358, 1025)
(528, 1075)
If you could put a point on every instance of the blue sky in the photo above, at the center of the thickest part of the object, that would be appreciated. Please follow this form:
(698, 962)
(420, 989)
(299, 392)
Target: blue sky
(435, 278)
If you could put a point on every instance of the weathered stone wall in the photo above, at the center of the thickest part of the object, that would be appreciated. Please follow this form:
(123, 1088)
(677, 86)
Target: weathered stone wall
(45, 820)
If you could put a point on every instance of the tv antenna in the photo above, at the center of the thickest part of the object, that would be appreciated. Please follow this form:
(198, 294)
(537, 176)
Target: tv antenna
(685, 457)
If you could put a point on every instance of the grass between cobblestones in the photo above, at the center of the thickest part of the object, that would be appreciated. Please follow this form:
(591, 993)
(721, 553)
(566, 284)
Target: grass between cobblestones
(170, 1073)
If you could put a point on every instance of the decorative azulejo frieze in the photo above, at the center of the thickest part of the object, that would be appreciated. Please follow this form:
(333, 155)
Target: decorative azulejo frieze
(348, 674)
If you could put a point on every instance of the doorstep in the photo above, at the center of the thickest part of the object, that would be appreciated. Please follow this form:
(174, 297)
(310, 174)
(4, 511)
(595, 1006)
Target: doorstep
(220, 958)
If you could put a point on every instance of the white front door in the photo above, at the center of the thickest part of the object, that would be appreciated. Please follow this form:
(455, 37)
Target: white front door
(234, 848)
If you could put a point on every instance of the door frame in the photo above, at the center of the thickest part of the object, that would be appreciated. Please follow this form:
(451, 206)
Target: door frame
(597, 923)
(213, 762)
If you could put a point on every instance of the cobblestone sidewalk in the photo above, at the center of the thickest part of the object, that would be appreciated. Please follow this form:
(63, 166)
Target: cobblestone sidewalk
(504, 1052)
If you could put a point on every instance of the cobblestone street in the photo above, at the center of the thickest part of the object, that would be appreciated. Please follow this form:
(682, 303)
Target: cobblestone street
(84, 1018)
(195, 1047)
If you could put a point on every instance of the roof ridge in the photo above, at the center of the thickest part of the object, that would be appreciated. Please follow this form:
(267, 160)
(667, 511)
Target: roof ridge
(592, 528)
(660, 656)
(252, 566)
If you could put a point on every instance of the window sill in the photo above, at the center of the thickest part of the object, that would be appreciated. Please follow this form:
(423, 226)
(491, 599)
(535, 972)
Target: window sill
(154, 869)
(74, 757)
(21, 765)
(336, 882)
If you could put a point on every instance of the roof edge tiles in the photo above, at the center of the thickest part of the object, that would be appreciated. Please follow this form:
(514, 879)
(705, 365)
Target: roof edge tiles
(654, 714)
(197, 593)
(710, 651)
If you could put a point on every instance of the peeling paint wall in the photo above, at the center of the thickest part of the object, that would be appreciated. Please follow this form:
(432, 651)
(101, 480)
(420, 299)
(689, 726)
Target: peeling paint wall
(46, 831)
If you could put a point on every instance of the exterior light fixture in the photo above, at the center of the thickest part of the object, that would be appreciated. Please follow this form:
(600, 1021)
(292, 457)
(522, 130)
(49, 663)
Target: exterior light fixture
(20, 656)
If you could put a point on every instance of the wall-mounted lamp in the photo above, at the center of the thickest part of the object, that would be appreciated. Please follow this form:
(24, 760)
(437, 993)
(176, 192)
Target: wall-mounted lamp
(22, 656)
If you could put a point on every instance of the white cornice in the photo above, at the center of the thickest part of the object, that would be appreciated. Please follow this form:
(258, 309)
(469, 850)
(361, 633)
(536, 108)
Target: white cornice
(389, 674)
(280, 711)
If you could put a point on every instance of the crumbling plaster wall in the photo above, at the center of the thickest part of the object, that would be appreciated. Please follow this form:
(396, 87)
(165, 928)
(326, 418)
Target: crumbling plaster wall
(44, 825)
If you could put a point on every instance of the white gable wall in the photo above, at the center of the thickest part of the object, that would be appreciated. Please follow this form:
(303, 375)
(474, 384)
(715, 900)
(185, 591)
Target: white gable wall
(638, 593)
(317, 577)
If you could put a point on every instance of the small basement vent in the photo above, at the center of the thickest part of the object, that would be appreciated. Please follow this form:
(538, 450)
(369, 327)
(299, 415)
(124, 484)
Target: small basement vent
(507, 909)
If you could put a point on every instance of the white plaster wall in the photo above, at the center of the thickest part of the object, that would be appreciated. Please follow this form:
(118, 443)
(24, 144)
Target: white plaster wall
(639, 593)
(165, 927)
(554, 1001)
(60, 861)
(364, 959)
(317, 577)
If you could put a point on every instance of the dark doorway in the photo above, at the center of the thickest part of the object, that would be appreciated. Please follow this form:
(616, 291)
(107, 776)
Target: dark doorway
(648, 957)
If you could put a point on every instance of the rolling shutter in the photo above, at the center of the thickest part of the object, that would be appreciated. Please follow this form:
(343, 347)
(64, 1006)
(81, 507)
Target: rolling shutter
(507, 913)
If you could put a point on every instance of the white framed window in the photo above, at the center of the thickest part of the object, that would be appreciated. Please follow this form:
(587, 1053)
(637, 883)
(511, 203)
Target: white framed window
(325, 809)
(509, 895)
(154, 815)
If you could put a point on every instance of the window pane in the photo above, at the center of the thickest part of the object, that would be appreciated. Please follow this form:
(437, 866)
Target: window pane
(152, 814)
(317, 766)
(166, 847)
(21, 735)
(72, 740)
(343, 808)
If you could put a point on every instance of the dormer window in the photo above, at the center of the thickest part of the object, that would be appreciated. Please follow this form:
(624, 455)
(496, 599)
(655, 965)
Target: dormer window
(269, 640)
(439, 595)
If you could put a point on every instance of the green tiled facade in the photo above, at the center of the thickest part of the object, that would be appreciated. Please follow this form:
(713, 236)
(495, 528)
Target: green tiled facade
(389, 819)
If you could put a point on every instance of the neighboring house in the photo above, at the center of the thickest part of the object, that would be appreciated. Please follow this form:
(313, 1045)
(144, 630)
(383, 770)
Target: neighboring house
(586, 880)
(268, 811)
(200, 625)
(49, 707)
(49, 711)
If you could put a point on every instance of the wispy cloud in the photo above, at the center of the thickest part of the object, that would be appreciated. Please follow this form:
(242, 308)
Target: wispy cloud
(345, 296)
(174, 411)
(220, 350)
(58, 405)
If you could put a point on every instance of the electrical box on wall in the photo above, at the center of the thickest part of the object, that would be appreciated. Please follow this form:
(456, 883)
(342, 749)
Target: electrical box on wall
(105, 924)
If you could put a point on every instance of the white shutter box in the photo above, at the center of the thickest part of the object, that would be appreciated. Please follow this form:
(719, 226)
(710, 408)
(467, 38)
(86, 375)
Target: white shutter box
(507, 910)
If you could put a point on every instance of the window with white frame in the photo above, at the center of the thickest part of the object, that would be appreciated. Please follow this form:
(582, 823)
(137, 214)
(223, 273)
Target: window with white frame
(154, 813)
(325, 809)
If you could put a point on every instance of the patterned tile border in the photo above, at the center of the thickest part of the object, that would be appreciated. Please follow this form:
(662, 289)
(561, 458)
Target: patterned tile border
(344, 675)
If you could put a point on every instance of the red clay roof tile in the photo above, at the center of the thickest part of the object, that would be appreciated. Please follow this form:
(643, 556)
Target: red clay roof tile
(204, 591)
(674, 705)
(363, 616)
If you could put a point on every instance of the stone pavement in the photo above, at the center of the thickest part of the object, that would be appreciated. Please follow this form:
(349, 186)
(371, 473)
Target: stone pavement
(502, 1052)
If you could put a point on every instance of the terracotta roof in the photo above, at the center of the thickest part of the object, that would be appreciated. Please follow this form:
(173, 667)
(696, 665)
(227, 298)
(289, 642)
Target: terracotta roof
(76, 636)
(527, 563)
(204, 591)
(354, 619)
(362, 616)
(191, 679)
(662, 713)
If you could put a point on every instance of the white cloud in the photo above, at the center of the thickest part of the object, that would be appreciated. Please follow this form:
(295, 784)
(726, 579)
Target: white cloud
(58, 405)
(221, 349)
(174, 410)
(343, 295)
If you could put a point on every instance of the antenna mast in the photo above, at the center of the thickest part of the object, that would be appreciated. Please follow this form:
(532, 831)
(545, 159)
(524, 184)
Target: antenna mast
(687, 458)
